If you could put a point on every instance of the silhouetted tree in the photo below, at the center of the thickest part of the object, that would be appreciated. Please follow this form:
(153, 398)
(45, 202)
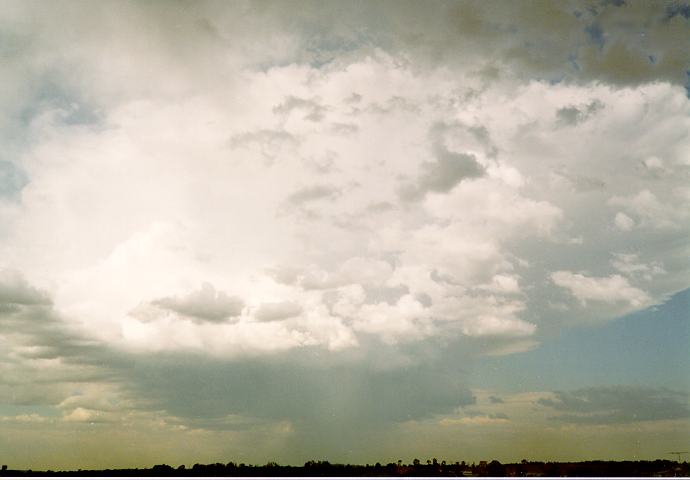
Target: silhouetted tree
(495, 469)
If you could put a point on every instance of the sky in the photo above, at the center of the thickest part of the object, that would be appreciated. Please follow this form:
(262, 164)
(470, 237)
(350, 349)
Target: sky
(355, 231)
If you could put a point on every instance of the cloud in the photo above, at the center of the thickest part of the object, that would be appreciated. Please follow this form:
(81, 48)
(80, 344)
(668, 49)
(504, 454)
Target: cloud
(12, 180)
(623, 222)
(311, 108)
(277, 311)
(440, 176)
(649, 209)
(328, 405)
(312, 194)
(477, 419)
(572, 115)
(14, 290)
(618, 404)
(204, 305)
(440, 170)
(629, 264)
(270, 142)
(611, 289)
(45, 360)
(578, 183)
(83, 415)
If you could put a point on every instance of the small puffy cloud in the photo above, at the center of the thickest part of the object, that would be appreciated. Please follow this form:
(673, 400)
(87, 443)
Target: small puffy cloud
(85, 415)
(502, 283)
(629, 264)
(490, 326)
(14, 289)
(204, 305)
(612, 289)
(618, 404)
(355, 270)
(476, 419)
(651, 211)
(623, 222)
(30, 418)
(653, 164)
(272, 311)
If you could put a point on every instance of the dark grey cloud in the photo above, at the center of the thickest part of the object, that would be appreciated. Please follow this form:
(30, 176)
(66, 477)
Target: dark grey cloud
(331, 402)
(313, 193)
(493, 416)
(344, 128)
(390, 295)
(330, 399)
(618, 404)
(37, 331)
(557, 41)
(33, 331)
(15, 290)
(596, 34)
(268, 312)
(552, 40)
(449, 169)
(393, 104)
(573, 115)
(205, 305)
(678, 8)
(424, 299)
(380, 207)
(581, 183)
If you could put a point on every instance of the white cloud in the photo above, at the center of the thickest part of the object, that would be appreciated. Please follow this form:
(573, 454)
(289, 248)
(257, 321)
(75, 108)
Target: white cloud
(611, 289)
(650, 210)
(406, 321)
(168, 189)
(490, 326)
(244, 200)
(82, 415)
(624, 222)
(629, 264)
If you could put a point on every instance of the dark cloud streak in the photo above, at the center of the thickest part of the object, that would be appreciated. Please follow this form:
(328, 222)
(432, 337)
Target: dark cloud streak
(618, 404)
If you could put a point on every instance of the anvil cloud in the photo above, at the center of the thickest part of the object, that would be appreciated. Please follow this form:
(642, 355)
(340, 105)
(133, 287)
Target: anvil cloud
(231, 220)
